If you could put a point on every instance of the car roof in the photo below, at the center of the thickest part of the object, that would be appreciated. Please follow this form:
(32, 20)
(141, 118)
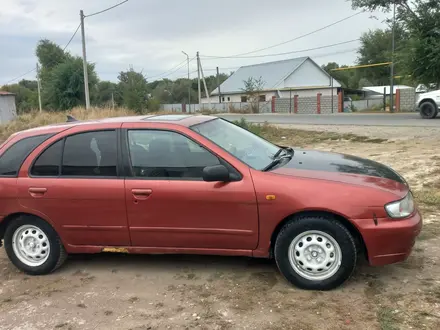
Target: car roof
(185, 120)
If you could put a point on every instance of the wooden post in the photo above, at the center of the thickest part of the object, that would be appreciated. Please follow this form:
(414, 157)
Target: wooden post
(318, 108)
(184, 107)
(295, 104)
(340, 102)
(397, 100)
(273, 104)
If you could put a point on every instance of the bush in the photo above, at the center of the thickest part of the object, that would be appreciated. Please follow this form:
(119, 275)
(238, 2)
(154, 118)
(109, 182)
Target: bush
(153, 105)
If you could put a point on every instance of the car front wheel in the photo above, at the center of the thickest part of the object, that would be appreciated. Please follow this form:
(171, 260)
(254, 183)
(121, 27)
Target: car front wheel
(33, 246)
(428, 110)
(315, 252)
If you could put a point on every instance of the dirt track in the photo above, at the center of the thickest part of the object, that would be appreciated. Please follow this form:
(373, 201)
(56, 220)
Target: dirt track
(186, 292)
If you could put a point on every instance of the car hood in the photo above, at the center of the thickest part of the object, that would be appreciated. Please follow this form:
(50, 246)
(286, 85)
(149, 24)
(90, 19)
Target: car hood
(429, 94)
(343, 168)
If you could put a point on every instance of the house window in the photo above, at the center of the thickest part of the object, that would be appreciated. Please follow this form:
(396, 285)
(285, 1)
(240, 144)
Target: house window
(244, 99)
(223, 99)
(229, 98)
(262, 98)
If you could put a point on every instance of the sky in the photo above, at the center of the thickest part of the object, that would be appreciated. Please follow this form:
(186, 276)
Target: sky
(150, 35)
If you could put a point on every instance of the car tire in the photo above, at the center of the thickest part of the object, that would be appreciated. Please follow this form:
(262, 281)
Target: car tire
(33, 246)
(428, 110)
(315, 252)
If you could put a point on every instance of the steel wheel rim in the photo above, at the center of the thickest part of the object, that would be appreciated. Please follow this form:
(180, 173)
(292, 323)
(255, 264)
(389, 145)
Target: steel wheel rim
(428, 110)
(31, 245)
(315, 255)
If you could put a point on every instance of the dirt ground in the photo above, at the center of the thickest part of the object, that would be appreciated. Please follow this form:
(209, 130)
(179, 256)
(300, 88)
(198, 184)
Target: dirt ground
(186, 292)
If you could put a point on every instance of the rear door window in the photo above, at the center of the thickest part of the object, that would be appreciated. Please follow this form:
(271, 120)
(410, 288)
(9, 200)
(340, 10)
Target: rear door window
(91, 154)
(49, 162)
(14, 156)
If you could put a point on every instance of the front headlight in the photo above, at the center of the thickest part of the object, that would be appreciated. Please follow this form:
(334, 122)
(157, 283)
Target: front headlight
(402, 208)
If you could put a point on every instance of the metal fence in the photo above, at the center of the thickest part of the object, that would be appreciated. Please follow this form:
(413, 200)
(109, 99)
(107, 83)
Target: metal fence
(229, 107)
(367, 104)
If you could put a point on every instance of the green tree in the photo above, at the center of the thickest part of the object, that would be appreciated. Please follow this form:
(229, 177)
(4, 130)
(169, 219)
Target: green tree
(376, 48)
(26, 99)
(105, 90)
(49, 54)
(134, 90)
(347, 78)
(420, 20)
(64, 88)
(252, 88)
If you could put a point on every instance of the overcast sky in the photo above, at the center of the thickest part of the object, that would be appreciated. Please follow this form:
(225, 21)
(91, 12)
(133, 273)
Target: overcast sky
(150, 34)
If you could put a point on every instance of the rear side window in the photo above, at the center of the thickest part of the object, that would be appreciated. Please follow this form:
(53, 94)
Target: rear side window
(90, 154)
(49, 162)
(14, 156)
(83, 155)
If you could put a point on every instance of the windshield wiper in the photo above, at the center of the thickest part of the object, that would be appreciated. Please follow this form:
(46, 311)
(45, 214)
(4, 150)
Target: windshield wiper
(277, 159)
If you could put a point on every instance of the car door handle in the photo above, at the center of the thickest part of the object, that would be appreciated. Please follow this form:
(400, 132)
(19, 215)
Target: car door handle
(141, 193)
(37, 192)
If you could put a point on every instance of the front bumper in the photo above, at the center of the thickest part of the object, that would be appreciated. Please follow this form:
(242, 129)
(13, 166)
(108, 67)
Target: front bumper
(391, 240)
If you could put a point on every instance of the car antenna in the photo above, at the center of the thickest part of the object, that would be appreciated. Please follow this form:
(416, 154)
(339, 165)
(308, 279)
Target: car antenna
(71, 119)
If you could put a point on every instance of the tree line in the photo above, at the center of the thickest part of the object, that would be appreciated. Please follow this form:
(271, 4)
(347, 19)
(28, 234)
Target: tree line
(417, 60)
(417, 45)
(62, 85)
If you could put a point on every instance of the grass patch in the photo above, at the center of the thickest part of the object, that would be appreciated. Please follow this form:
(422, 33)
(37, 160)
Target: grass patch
(428, 199)
(299, 137)
(387, 319)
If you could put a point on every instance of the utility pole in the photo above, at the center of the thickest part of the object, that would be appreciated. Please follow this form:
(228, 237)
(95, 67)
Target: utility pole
(39, 88)
(218, 84)
(198, 79)
(189, 83)
(113, 101)
(392, 60)
(86, 76)
(204, 84)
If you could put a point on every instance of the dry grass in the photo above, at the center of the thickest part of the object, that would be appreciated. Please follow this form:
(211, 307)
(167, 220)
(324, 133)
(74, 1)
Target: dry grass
(36, 119)
(302, 138)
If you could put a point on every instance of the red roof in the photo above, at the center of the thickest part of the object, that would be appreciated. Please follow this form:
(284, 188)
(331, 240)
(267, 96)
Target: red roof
(6, 93)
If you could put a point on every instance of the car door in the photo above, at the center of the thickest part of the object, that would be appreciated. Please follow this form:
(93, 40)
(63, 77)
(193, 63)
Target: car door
(168, 203)
(74, 183)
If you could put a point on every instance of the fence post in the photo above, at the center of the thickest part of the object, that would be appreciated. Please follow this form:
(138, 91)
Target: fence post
(183, 107)
(340, 102)
(273, 104)
(295, 104)
(397, 100)
(318, 110)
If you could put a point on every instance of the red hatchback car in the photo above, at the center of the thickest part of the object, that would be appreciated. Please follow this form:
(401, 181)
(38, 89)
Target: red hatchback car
(200, 185)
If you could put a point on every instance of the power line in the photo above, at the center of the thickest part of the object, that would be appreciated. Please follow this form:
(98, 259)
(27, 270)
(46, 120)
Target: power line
(103, 11)
(20, 76)
(34, 69)
(301, 36)
(208, 57)
(71, 38)
(172, 70)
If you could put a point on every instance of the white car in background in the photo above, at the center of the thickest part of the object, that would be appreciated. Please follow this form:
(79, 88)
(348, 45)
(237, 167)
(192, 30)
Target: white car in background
(428, 104)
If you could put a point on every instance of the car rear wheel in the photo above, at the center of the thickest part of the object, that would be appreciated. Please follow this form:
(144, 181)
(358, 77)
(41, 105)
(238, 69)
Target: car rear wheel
(33, 246)
(315, 252)
(428, 110)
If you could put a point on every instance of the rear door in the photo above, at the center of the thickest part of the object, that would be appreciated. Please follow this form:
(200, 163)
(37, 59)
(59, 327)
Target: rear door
(168, 203)
(74, 182)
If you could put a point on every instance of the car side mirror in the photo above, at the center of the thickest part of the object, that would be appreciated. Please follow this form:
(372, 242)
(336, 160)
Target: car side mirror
(216, 173)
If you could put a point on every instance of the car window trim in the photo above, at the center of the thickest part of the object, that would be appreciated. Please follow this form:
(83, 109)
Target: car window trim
(128, 167)
(48, 136)
(119, 171)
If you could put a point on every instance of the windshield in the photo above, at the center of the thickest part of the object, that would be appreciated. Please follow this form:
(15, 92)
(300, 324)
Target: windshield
(246, 146)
